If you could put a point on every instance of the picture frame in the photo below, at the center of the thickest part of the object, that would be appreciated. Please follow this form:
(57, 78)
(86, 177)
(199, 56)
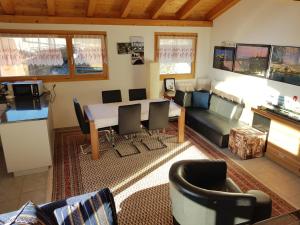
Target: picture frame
(285, 64)
(169, 84)
(124, 48)
(224, 58)
(252, 59)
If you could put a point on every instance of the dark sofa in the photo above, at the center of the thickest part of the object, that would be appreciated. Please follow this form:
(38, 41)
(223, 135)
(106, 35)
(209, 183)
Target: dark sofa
(215, 122)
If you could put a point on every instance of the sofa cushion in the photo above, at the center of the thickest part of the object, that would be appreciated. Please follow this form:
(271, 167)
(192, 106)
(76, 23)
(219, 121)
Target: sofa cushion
(97, 209)
(214, 121)
(225, 108)
(183, 98)
(29, 214)
(200, 99)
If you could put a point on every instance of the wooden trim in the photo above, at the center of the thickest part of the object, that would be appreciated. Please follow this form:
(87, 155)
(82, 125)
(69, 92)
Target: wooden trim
(187, 9)
(220, 9)
(59, 33)
(91, 8)
(68, 35)
(126, 7)
(193, 36)
(51, 7)
(159, 7)
(101, 21)
(8, 6)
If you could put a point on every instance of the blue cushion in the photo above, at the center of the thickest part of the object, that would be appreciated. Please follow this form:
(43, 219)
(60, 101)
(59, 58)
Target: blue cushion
(30, 214)
(200, 99)
(97, 210)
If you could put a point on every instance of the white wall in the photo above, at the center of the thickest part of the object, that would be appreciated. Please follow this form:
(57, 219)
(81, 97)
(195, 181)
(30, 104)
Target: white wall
(275, 22)
(122, 75)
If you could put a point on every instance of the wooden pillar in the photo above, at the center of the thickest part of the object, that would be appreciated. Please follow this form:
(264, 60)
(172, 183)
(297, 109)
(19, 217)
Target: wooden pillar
(181, 125)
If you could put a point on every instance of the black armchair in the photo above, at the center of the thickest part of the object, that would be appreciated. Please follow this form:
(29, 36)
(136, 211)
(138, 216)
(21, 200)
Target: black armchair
(202, 194)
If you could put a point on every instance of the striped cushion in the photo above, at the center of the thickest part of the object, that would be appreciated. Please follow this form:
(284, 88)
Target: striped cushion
(29, 214)
(99, 209)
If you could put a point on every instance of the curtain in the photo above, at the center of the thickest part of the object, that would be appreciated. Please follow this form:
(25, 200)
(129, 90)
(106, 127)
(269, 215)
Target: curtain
(176, 50)
(31, 50)
(88, 50)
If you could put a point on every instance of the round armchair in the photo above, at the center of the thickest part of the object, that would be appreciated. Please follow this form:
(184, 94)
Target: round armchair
(202, 194)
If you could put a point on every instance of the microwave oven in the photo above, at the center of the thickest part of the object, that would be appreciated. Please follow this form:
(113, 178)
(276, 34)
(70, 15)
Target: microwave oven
(25, 88)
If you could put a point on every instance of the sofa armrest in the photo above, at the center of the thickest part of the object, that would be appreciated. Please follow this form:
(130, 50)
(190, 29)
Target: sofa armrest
(183, 98)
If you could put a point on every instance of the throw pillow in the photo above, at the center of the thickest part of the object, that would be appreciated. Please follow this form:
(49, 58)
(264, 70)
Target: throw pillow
(99, 209)
(30, 214)
(200, 99)
(203, 84)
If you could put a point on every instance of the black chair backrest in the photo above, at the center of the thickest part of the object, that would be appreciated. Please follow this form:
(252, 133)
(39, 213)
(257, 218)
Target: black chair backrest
(111, 96)
(158, 115)
(129, 119)
(84, 125)
(137, 94)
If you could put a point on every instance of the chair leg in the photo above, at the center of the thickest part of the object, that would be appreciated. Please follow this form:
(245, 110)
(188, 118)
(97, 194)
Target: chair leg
(132, 143)
(163, 145)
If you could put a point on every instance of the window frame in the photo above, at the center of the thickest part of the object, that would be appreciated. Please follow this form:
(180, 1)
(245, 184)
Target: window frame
(166, 35)
(68, 35)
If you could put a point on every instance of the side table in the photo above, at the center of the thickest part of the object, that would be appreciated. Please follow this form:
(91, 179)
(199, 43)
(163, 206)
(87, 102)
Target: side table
(247, 142)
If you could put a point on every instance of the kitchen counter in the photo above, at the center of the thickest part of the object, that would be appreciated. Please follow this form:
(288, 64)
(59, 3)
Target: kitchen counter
(27, 135)
(25, 109)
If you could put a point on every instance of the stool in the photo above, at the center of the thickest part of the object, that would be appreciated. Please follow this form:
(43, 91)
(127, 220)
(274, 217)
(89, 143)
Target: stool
(247, 142)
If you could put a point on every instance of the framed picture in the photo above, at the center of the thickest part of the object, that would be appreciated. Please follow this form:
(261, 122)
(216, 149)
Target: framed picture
(252, 59)
(169, 84)
(124, 48)
(285, 64)
(223, 58)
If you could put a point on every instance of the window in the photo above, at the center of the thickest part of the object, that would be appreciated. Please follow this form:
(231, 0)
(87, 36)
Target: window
(176, 54)
(53, 57)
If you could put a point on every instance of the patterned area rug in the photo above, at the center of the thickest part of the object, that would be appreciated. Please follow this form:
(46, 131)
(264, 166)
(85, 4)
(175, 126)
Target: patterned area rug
(139, 182)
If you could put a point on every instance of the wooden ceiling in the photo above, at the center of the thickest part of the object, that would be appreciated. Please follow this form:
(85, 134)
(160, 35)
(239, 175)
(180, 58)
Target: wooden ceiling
(123, 12)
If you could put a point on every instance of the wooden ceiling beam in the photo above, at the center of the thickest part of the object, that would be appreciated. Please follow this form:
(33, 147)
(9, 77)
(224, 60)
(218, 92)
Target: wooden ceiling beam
(51, 7)
(91, 8)
(157, 10)
(220, 9)
(126, 7)
(101, 21)
(8, 6)
(186, 9)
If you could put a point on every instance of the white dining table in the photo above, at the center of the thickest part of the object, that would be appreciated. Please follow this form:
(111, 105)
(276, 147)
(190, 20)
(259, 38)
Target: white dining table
(106, 115)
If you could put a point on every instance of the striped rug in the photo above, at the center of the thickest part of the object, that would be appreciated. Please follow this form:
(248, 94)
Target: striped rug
(139, 182)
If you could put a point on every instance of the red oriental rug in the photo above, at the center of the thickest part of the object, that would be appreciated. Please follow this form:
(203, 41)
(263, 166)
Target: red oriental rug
(140, 182)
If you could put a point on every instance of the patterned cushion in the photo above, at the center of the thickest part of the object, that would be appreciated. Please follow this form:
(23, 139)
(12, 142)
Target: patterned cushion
(30, 214)
(97, 210)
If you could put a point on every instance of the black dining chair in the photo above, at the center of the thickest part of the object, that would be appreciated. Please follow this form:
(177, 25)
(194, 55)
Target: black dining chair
(129, 124)
(158, 120)
(85, 127)
(137, 94)
(111, 96)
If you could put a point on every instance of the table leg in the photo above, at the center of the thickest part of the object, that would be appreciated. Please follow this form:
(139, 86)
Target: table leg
(94, 141)
(181, 125)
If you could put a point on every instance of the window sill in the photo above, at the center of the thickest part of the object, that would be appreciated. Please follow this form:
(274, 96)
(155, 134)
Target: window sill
(177, 76)
(59, 78)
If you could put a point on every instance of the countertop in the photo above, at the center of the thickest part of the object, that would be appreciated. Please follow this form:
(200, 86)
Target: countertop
(25, 109)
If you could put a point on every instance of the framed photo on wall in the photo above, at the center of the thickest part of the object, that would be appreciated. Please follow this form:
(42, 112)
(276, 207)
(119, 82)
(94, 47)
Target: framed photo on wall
(285, 64)
(252, 59)
(169, 84)
(223, 58)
